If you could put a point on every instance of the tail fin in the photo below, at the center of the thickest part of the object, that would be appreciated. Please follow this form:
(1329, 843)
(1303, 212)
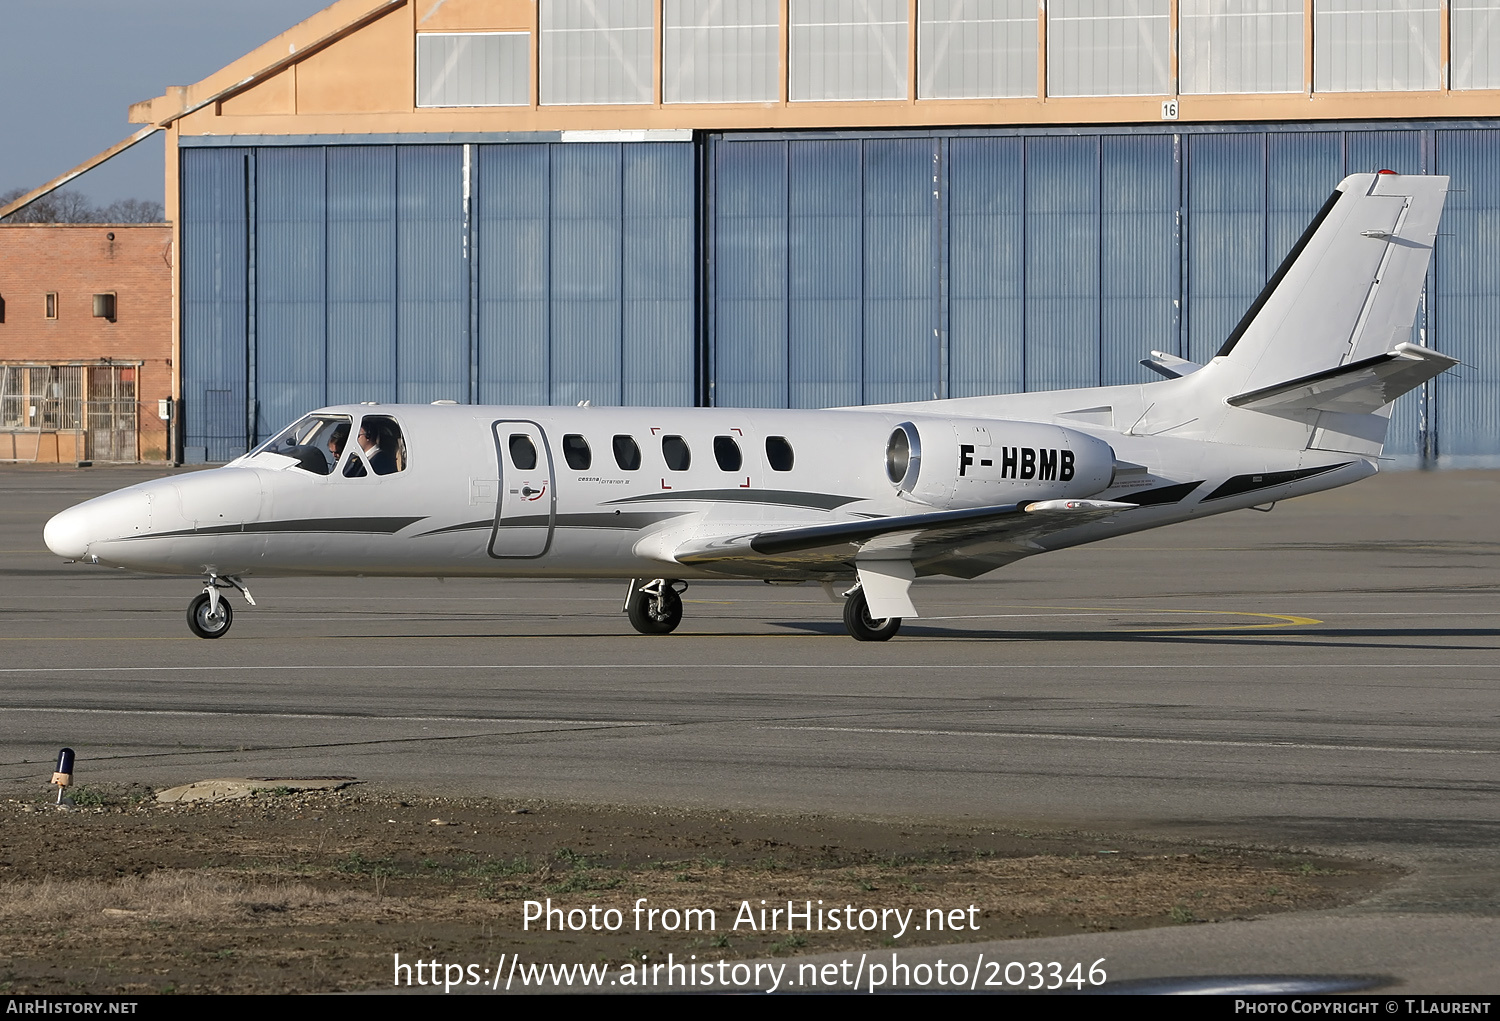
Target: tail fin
(1348, 289)
(1325, 347)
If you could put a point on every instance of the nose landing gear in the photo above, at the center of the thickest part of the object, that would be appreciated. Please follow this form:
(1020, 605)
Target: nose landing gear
(655, 607)
(209, 615)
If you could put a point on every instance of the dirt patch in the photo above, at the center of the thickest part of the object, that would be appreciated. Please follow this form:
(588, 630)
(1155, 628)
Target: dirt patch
(289, 891)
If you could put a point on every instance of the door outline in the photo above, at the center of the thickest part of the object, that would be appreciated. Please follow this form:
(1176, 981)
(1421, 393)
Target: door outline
(506, 472)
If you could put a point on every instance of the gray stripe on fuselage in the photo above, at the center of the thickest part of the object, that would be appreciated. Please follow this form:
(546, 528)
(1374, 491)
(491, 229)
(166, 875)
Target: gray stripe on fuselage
(366, 526)
(597, 519)
(779, 497)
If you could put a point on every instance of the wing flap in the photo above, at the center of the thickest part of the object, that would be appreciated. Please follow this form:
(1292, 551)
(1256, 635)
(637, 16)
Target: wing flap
(907, 537)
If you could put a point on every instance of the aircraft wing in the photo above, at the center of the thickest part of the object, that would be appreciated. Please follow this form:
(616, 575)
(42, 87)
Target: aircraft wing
(966, 542)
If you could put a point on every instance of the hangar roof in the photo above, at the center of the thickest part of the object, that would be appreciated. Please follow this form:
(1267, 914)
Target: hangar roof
(373, 66)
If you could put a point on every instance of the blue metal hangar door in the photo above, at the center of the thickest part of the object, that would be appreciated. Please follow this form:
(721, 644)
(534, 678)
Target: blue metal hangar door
(521, 273)
(865, 270)
(859, 268)
(215, 309)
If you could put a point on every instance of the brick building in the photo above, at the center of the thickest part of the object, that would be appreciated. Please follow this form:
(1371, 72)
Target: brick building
(85, 341)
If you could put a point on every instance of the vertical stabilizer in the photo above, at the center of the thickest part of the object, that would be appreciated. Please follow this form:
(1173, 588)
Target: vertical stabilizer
(1349, 288)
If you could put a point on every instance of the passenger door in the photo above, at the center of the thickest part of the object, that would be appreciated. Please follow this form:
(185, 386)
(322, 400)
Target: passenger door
(527, 508)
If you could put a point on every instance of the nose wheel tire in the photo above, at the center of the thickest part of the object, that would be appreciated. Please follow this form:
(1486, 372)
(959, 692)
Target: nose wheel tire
(206, 624)
(653, 615)
(864, 628)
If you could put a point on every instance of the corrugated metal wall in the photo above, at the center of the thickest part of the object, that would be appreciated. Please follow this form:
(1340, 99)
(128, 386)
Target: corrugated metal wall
(215, 314)
(837, 269)
(515, 274)
(1467, 311)
(851, 268)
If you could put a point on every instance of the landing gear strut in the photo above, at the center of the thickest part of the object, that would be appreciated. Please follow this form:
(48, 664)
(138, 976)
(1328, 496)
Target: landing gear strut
(655, 607)
(209, 615)
(860, 625)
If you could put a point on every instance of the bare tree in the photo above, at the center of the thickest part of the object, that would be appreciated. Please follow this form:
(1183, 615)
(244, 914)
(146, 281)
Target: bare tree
(67, 206)
(133, 211)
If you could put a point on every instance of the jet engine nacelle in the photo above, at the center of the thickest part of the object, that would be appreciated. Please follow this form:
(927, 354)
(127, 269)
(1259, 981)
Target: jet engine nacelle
(952, 463)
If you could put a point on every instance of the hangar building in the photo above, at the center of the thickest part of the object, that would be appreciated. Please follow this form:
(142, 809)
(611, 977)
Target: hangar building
(802, 203)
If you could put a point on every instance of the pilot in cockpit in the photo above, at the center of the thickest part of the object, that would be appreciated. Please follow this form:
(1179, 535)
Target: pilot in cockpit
(336, 443)
(380, 443)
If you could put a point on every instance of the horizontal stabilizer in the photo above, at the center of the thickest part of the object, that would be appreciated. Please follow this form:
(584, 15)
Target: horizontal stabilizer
(1359, 388)
(1169, 365)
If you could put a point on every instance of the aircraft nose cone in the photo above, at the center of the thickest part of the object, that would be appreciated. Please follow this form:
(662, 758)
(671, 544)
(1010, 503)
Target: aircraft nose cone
(76, 532)
(68, 534)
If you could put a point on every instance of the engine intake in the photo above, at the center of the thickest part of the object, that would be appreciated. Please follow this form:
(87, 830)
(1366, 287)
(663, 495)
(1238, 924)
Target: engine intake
(903, 456)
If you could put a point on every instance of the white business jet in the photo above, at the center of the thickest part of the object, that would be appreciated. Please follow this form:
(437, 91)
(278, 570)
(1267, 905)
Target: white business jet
(862, 500)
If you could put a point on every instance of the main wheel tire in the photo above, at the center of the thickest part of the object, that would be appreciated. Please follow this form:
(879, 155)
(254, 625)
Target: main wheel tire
(648, 620)
(203, 623)
(864, 628)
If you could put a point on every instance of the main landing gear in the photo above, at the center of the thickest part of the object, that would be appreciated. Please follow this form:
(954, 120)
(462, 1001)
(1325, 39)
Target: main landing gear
(861, 626)
(209, 615)
(655, 607)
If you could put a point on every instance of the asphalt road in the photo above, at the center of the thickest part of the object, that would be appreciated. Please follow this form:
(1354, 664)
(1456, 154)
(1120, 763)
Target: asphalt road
(1325, 676)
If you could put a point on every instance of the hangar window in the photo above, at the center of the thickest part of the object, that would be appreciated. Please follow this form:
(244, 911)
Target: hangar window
(779, 453)
(627, 454)
(848, 51)
(1118, 49)
(976, 49)
(473, 69)
(597, 52)
(1385, 47)
(576, 452)
(1239, 46)
(715, 52)
(727, 453)
(675, 450)
(522, 451)
(1474, 36)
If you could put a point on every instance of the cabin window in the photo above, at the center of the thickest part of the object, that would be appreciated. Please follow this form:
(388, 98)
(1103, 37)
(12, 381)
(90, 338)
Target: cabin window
(576, 452)
(315, 442)
(675, 450)
(627, 454)
(727, 453)
(522, 451)
(779, 453)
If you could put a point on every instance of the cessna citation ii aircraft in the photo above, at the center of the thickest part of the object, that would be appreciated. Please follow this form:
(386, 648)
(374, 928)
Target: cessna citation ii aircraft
(863, 500)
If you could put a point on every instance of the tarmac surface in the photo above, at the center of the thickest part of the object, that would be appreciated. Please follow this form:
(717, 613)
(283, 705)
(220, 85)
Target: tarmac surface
(1325, 677)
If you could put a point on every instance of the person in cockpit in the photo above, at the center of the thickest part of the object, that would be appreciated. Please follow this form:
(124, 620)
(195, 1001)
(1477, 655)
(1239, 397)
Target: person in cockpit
(336, 443)
(379, 446)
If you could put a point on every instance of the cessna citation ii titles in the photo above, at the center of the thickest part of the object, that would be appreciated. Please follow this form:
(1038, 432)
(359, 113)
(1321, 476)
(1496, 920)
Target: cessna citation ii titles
(863, 500)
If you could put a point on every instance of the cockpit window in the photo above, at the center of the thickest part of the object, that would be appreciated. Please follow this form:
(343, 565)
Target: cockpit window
(315, 442)
(382, 445)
